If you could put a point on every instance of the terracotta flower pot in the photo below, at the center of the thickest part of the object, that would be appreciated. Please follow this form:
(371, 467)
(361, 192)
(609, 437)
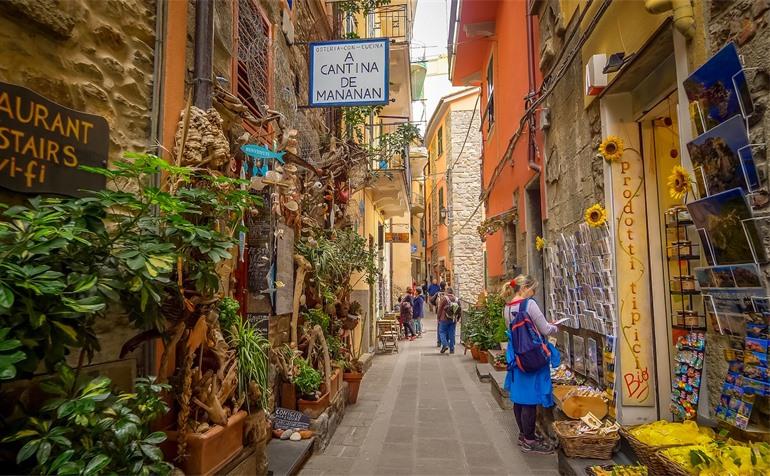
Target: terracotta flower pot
(354, 384)
(314, 408)
(208, 452)
(288, 396)
(483, 356)
(336, 383)
(475, 352)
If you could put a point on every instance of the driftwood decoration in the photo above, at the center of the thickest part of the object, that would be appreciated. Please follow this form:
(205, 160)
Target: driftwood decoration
(317, 334)
(303, 266)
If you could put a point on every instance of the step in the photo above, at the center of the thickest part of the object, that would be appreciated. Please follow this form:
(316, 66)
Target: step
(484, 371)
(286, 457)
(577, 466)
(498, 391)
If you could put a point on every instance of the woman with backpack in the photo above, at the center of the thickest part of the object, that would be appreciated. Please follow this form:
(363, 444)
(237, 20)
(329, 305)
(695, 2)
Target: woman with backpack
(530, 357)
(449, 312)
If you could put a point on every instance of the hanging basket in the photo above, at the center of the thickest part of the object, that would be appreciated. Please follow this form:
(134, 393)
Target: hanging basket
(351, 322)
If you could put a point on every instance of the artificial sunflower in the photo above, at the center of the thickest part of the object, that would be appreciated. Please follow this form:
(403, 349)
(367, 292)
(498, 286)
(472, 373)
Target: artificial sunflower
(596, 216)
(679, 183)
(611, 148)
(539, 243)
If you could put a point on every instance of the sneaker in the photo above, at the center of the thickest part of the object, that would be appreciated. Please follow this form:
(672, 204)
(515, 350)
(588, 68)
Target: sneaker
(444, 349)
(412, 338)
(536, 446)
(520, 440)
(451, 351)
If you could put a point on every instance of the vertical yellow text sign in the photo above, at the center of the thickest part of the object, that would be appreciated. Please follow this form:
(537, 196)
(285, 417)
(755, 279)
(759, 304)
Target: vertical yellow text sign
(632, 256)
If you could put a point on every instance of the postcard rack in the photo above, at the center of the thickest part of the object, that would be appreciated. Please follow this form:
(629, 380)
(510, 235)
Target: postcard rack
(685, 301)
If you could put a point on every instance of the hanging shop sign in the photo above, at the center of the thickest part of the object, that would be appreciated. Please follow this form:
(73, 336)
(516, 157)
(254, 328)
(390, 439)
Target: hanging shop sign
(634, 295)
(396, 237)
(349, 73)
(43, 145)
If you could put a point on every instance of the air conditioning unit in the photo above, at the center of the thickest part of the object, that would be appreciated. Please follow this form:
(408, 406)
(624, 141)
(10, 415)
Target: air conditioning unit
(596, 80)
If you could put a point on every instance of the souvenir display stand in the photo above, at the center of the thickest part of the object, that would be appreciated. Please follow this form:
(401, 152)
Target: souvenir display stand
(715, 282)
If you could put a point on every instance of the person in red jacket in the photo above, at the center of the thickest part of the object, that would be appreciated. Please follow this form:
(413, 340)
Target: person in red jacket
(406, 315)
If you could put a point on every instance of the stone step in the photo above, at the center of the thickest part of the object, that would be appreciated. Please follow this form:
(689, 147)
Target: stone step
(285, 457)
(484, 371)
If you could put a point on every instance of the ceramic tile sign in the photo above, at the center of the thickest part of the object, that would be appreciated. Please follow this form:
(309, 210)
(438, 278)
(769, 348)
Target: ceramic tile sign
(636, 374)
(718, 89)
(729, 234)
(285, 419)
(722, 159)
(43, 145)
(349, 73)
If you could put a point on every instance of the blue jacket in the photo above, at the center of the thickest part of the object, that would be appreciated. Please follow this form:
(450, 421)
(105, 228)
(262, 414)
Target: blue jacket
(433, 289)
(531, 388)
(417, 307)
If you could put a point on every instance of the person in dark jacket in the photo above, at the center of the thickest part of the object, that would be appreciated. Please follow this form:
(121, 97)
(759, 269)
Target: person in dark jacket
(418, 311)
(405, 316)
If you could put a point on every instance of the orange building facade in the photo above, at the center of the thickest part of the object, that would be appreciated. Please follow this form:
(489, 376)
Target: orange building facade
(490, 48)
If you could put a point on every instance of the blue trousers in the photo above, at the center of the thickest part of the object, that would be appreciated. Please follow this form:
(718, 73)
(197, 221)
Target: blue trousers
(418, 325)
(446, 332)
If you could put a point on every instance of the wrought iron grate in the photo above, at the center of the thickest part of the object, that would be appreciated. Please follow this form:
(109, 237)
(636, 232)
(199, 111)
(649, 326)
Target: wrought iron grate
(253, 56)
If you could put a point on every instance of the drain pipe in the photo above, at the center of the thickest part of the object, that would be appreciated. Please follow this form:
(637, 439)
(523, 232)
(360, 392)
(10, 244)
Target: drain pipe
(204, 53)
(531, 95)
(684, 18)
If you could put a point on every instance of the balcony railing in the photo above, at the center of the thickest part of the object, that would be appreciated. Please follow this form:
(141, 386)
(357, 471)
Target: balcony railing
(390, 21)
(418, 201)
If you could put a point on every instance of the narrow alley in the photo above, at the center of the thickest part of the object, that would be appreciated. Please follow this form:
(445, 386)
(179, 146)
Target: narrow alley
(424, 413)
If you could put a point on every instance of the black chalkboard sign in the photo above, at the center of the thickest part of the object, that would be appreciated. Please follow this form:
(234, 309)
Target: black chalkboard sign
(260, 321)
(285, 419)
(43, 144)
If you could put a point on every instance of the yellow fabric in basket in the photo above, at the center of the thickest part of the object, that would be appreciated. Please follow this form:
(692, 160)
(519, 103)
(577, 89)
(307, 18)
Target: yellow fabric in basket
(665, 433)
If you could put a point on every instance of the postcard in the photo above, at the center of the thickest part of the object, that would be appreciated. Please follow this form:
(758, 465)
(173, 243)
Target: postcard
(756, 345)
(755, 358)
(721, 217)
(747, 276)
(756, 329)
(719, 88)
(757, 373)
(741, 421)
(754, 387)
(578, 354)
(705, 277)
(724, 159)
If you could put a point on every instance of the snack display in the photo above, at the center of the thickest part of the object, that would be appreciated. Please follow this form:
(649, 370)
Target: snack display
(687, 375)
(585, 391)
(617, 470)
(715, 459)
(666, 433)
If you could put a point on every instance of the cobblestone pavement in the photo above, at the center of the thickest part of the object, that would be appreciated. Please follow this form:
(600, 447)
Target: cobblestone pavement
(423, 413)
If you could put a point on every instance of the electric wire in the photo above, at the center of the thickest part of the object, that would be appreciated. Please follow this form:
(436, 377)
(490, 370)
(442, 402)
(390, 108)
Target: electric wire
(546, 89)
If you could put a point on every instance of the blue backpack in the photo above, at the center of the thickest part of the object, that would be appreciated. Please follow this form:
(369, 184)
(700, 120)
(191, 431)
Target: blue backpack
(530, 351)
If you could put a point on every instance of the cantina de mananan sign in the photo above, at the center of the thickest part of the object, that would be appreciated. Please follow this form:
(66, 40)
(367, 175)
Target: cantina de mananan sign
(43, 144)
(349, 73)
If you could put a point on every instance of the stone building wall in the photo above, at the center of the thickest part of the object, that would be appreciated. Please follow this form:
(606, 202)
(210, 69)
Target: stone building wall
(746, 23)
(93, 56)
(465, 189)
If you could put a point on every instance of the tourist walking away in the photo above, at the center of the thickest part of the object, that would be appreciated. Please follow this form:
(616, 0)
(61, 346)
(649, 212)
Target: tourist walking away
(436, 299)
(449, 312)
(433, 290)
(405, 316)
(418, 311)
(530, 357)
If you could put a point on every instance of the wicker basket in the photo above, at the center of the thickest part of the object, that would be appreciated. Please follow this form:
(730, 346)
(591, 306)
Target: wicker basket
(648, 455)
(584, 446)
(670, 467)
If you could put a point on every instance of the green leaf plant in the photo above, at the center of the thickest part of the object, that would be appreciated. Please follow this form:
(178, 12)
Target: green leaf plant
(87, 429)
(63, 262)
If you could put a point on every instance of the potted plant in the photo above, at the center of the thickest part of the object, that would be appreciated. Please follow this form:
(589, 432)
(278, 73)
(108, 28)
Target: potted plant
(313, 398)
(354, 372)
